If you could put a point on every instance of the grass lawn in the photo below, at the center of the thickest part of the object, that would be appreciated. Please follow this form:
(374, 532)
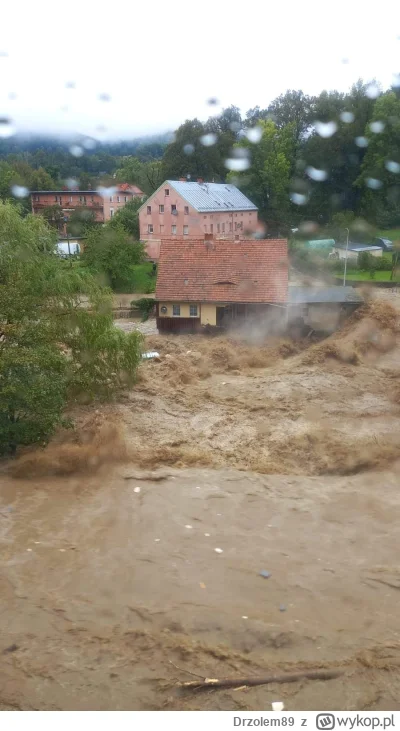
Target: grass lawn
(364, 276)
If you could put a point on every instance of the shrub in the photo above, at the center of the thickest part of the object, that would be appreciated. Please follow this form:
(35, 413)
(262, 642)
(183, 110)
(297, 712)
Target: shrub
(145, 306)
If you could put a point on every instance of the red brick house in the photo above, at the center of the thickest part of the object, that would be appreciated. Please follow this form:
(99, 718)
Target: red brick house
(103, 204)
(219, 284)
(192, 209)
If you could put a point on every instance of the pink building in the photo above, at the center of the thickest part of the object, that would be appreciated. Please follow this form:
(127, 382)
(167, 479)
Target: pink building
(103, 206)
(180, 208)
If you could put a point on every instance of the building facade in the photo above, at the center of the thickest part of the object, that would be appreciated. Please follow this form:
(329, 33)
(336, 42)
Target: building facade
(190, 210)
(103, 206)
(217, 283)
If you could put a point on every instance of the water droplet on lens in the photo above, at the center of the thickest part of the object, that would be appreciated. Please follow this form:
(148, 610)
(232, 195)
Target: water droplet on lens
(89, 143)
(6, 127)
(3, 54)
(361, 141)
(374, 183)
(316, 174)
(392, 166)
(70, 85)
(345, 60)
(19, 191)
(377, 127)
(240, 152)
(234, 126)
(76, 150)
(188, 149)
(209, 139)
(104, 97)
(12, 95)
(325, 129)
(372, 91)
(71, 183)
(299, 198)
(347, 117)
(396, 80)
(212, 101)
(106, 192)
(254, 134)
(237, 164)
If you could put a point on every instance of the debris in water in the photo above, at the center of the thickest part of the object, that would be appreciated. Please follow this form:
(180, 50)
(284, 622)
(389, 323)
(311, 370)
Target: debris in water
(202, 586)
(282, 608)
(244, 616)
(29, 549)
(277, 705)
(265, 574)
(156, 540)
(207, 534)
(150, 354)
(218, 550)
(11, 648)
(189, 527)
(62, 550)
(136, 489)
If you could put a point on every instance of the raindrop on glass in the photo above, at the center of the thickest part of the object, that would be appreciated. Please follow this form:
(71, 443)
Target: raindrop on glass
(70, 85)
(71, 183)
(12, 95)
(237, 164)
(89, 143)
(3, 54)
(345, 60)
(240, 152)
(76, 150)
(374, 183)
(170, 138)
(392, 166)
(6, 127)
(234, 126)
(361, 141)
(347, 117)
(104, 97)
(213, 101)
(316, 174)
(372, 91)
(377, 127)
(325, 129)
(254, 135)
(209, 139)
(396, 80)
(188, 149)
(19, 191)
(299, 199)
(106, 192)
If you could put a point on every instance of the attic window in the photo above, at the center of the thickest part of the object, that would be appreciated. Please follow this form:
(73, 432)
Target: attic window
(186, 281)
(166, 191)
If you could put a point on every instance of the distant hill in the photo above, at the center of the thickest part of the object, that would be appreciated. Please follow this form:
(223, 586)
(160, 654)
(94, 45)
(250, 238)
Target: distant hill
(145, 148)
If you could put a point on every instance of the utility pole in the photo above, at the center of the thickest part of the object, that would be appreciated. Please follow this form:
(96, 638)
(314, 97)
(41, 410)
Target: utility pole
(345, 261)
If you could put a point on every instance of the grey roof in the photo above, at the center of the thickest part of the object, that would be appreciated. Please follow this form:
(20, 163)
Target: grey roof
(359, 247)
(212, 197)
(327, 295)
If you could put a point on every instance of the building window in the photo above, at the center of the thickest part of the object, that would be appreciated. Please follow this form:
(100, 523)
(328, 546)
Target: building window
(173, 209)
(176, 310)
(223, 228)
(150, 228)
(56, 198)
(92, 198)
(185, 230)
(36, 197)
(173, 229)
(80, 199)
(241, 214)
(186, 210)
(118, 199)
(161, 228)
(205, 228)
(111, 212)
(111, 198)
(193, 310)
(236, 226)
(126, 199)
(166, 191)
(205, 216)
(211, 227)
(148, 209)
(230, 227)
(70, 199)
(160, 209)
(218, 228)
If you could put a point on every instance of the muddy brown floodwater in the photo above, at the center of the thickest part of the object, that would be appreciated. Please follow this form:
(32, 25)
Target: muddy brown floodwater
(287, 458)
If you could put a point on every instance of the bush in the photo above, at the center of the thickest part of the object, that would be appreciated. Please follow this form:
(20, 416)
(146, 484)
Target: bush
(145, 306)
(111, 251)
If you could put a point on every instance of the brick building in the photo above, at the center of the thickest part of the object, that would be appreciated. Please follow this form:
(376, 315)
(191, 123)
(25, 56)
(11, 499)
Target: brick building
(190, 210)
(103, 206)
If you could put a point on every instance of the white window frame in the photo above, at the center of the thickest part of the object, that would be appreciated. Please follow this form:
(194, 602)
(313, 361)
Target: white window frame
(173, 233)
(186, 230)
(111, 212)
(166, 191)
(193, 314)
(150, 228)
(176, 307)
(148, 209)
(159, 209)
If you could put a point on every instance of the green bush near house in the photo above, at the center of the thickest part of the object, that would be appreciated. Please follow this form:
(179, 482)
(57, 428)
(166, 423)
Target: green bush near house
(145, 306)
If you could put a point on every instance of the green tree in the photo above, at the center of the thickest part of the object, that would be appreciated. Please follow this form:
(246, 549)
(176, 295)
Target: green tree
(51, 348)
(112, 253)
(293, 107)
(188, 156)
(146, 175)
(267, 182)
(128, 217)
(54, 216)
(80, 220)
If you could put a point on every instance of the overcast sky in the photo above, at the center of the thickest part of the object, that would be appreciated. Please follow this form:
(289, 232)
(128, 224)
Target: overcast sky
(160, 61)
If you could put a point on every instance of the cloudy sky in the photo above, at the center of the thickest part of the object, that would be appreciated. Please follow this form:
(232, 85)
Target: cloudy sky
(141, 67)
